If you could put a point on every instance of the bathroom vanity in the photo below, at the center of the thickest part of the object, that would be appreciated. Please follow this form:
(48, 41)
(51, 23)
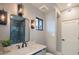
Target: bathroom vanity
(18, 39)
(31, 49)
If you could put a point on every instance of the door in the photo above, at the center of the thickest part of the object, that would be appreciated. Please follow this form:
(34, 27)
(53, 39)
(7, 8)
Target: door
(69, 36)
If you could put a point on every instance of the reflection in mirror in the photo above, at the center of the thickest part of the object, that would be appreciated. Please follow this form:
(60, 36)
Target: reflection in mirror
(19, 29)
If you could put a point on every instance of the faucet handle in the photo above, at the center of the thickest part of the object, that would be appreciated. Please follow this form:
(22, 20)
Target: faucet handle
(18, 46)
(25, 44)
(22, 45)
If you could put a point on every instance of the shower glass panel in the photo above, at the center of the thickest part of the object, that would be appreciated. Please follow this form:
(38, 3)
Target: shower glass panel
(17, 29)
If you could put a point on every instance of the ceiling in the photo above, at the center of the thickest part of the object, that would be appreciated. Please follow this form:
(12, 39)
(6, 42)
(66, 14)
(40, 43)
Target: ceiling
(63, 6)
(45, 7)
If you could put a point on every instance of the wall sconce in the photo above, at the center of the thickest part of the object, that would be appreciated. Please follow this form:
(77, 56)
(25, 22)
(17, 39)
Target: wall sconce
(32, 24)
(3, 17)
(20, 9)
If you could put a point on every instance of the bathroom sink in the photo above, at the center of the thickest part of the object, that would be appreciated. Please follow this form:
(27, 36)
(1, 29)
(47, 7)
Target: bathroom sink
(29, 50)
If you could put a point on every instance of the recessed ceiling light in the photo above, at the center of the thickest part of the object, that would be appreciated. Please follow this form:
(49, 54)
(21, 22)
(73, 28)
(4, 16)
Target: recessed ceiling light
(69, 4)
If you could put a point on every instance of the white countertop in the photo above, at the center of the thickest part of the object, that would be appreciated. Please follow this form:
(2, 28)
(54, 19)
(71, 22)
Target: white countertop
(29, 50)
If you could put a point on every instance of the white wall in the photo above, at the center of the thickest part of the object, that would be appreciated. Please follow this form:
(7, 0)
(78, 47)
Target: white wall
(30, 12)
(51, 31)
(5, 29)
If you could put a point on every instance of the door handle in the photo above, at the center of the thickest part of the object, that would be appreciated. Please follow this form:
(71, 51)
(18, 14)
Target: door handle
(63, 39)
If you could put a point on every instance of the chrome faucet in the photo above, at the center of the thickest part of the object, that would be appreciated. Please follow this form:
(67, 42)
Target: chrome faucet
(24, 44)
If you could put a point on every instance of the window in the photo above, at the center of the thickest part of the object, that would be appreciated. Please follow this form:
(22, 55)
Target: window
(39, 24)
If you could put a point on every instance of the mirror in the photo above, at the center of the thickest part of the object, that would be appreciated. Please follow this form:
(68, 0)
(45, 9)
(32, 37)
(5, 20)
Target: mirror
(19, 29)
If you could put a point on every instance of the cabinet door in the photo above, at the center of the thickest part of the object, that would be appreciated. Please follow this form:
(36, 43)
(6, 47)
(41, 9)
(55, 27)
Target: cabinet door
(70, 37)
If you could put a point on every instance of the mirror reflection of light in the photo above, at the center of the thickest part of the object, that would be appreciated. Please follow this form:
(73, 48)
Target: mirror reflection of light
(11, 16)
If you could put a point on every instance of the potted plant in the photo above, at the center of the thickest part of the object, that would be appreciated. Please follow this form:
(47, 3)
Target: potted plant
(5, 44)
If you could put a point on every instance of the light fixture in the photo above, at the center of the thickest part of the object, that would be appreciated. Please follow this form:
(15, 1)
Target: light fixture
(20, 9)
(69, 4)
(32, 24)
(3, 17)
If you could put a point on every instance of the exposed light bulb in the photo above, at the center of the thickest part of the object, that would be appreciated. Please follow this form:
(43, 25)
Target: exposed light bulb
(2, 17)
(20, 10)
(69, 4)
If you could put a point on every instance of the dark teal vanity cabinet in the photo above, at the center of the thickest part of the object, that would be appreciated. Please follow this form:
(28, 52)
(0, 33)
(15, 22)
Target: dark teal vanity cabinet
(17, 29)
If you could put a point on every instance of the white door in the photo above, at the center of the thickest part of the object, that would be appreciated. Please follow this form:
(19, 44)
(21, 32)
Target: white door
(69, 37)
